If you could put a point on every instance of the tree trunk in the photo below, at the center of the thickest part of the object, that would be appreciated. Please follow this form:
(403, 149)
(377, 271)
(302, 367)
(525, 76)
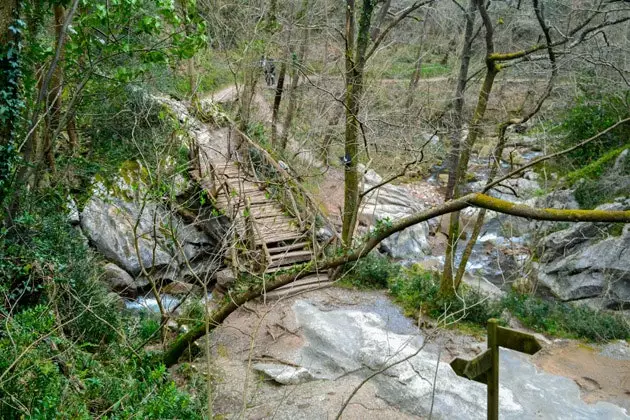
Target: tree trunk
(288, 119)
(502, 140)
(376, 30)
(10, 81)
(328, 137)
(448, 287)
(417, 71)
(355, 66)
(53, 101)
(276, 102)
(296, 62)
(458, 103)
(73, 137)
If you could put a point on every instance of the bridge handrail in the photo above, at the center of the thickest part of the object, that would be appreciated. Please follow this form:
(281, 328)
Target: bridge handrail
(311, 210)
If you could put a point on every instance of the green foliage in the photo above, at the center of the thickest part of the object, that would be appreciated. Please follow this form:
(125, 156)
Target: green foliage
(559, 318)
(418, 290)
(11, 106)
(258, 133)
(590, 116)
(49, 376)
(589, 194)
(210, 75)
(66, 351)
(403, 64)
(148, 328)
(44, 258)
(370, 272)
(597, 168)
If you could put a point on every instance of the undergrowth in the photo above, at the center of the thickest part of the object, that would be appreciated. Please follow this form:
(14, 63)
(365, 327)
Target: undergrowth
(66, 350)
(417, 291)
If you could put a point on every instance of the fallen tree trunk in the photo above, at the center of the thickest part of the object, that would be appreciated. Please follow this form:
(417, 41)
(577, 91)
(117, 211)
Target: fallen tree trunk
(232, 303)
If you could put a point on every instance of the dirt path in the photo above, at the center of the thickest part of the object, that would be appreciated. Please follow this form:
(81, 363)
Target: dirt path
(601, 372)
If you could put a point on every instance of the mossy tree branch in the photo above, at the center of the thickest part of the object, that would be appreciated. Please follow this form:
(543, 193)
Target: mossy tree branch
(179, 346)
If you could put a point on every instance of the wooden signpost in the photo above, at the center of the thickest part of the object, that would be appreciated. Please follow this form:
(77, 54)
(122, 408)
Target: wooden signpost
(485, 367)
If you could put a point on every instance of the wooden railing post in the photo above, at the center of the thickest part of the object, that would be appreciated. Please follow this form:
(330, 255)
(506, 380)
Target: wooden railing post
(493, 374)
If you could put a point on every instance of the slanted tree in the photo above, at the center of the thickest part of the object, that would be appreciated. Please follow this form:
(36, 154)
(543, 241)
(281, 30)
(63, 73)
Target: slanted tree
(182, 343)
(494, 62)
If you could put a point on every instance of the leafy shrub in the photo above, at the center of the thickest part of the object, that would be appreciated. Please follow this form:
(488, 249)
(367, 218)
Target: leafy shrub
(148, 327)
(47, 375)
(591, 193)
(370, 272)
(564, 319)
(416, 289)
(595, 169)
(592, 115)
(47, 261)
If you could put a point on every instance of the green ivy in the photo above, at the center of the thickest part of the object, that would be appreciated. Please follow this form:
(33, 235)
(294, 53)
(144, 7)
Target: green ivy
(11, 105)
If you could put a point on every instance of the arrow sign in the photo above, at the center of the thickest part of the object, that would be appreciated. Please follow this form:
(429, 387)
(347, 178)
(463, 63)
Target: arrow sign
(485, 367)
(517, 340)
(475, 369)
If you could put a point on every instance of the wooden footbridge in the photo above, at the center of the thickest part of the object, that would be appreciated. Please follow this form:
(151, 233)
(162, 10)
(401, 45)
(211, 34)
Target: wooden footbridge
(274, 221)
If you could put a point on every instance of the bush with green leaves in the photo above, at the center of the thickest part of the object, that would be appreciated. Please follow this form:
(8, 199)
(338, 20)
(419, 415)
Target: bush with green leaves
(418, 290)
(46, 260)
(46, 374)
(565, 319)
(590, 116)
(370, 272)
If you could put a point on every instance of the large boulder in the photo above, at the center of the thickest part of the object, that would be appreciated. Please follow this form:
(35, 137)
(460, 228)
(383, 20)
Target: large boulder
(390, 203)
(588, 260)
(342, 342)
(134, 235)
(119, 281)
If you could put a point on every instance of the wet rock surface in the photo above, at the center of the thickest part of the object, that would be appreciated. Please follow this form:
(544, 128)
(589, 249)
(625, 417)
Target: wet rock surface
(324, 344)
(388, 204)
(136, 236)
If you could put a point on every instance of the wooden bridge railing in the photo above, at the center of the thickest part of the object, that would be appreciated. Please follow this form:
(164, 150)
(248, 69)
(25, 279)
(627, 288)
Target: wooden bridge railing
(291, 194)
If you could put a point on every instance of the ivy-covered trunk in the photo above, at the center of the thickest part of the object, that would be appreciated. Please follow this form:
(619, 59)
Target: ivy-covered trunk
(355, 66)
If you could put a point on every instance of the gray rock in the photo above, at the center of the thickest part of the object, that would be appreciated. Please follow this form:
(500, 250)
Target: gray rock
(483, 286)
(343, 342)
(110, 227)
(203, 270)
(285, 375)
(513, 157)
(115, 301)
(324, 234)
(113, 224)
(390, 203)
(559, 199)
(578, 264)
(118, 280)
(621, 162)
(73, 212)
(178, 288)
(619, 350)
(225, 278)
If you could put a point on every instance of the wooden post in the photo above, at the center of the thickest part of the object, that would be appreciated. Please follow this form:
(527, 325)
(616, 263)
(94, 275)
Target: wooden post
(493, 374)
(485, 367)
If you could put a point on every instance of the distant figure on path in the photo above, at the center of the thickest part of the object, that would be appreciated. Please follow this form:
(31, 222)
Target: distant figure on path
(269, 68)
